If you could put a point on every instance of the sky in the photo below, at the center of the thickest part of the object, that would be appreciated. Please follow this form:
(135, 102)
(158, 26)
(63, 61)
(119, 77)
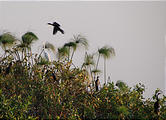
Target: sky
(136, 30)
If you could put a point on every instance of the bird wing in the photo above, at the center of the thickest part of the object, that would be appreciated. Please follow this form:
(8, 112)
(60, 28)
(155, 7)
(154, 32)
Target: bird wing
(61, 31)
(55, 30)
(56, 24)
(50, 24)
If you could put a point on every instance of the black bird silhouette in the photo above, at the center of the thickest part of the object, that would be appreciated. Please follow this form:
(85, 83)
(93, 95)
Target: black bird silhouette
(156, 104)
(56, 28)
(97, 82)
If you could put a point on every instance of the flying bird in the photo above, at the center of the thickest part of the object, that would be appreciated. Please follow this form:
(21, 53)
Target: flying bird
(56, 28)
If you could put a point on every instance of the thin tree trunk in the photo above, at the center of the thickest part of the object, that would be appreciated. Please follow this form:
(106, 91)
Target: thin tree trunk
(17, 55)
(25, 52)
(91, 75)
(22, 53)
(97, 61)
(97, 64)
(5, 50)
(69, 55)
(58, 57)
(31, 56)
(84, 60)
(72, 55)
(105, 71)
(40, 54)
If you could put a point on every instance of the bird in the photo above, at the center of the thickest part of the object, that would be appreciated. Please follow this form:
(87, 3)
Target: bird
(156, 104)
(97, 82)
(46, 54)
(56, 28)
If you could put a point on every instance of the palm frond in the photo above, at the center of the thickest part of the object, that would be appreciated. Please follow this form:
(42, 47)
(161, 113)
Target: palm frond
(63, 51)
(89, 60)
(70, 44)
(7, 38)
(28, 38)
(49, 46)
(43, 61)
(79, 39)
(106, 51)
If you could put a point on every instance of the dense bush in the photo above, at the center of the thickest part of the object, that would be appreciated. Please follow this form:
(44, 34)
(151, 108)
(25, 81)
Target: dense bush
(58, 91)
(34, 88)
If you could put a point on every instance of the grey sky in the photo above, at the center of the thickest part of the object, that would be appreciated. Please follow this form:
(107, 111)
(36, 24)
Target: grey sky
(135, 29)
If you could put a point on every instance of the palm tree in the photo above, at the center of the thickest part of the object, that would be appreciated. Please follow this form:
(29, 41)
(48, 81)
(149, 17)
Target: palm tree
(28, 38)
(26, 42)
(62, 52)
(88, 63)
(7, 40)
(106, 52)
(79, 41)
(70, 45)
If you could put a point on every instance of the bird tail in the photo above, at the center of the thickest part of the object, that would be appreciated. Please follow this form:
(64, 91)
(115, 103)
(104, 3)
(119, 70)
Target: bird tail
(61, 31)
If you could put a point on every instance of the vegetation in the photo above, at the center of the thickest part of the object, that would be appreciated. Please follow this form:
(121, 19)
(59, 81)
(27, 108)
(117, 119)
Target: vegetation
(31, 87)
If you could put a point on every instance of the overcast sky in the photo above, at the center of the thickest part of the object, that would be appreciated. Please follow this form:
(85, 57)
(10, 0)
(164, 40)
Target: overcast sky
(135, 29)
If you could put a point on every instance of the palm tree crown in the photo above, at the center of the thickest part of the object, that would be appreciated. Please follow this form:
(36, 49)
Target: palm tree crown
(106, 51)
(80, 40)
(7, 40)
(49, 46)
(62, 52)
(28, 38)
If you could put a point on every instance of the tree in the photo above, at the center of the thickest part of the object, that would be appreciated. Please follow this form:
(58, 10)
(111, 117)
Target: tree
(88, 63)
(70, 45)
(106, 52)
(79, 41)
(7, 40)
(26, 42)
(62, 52)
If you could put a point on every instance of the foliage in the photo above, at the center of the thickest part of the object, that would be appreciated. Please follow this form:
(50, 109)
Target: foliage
(49, 46)
(32, 88)
(106, 51)
(32, 92)
(28, 38)
(6, 40)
